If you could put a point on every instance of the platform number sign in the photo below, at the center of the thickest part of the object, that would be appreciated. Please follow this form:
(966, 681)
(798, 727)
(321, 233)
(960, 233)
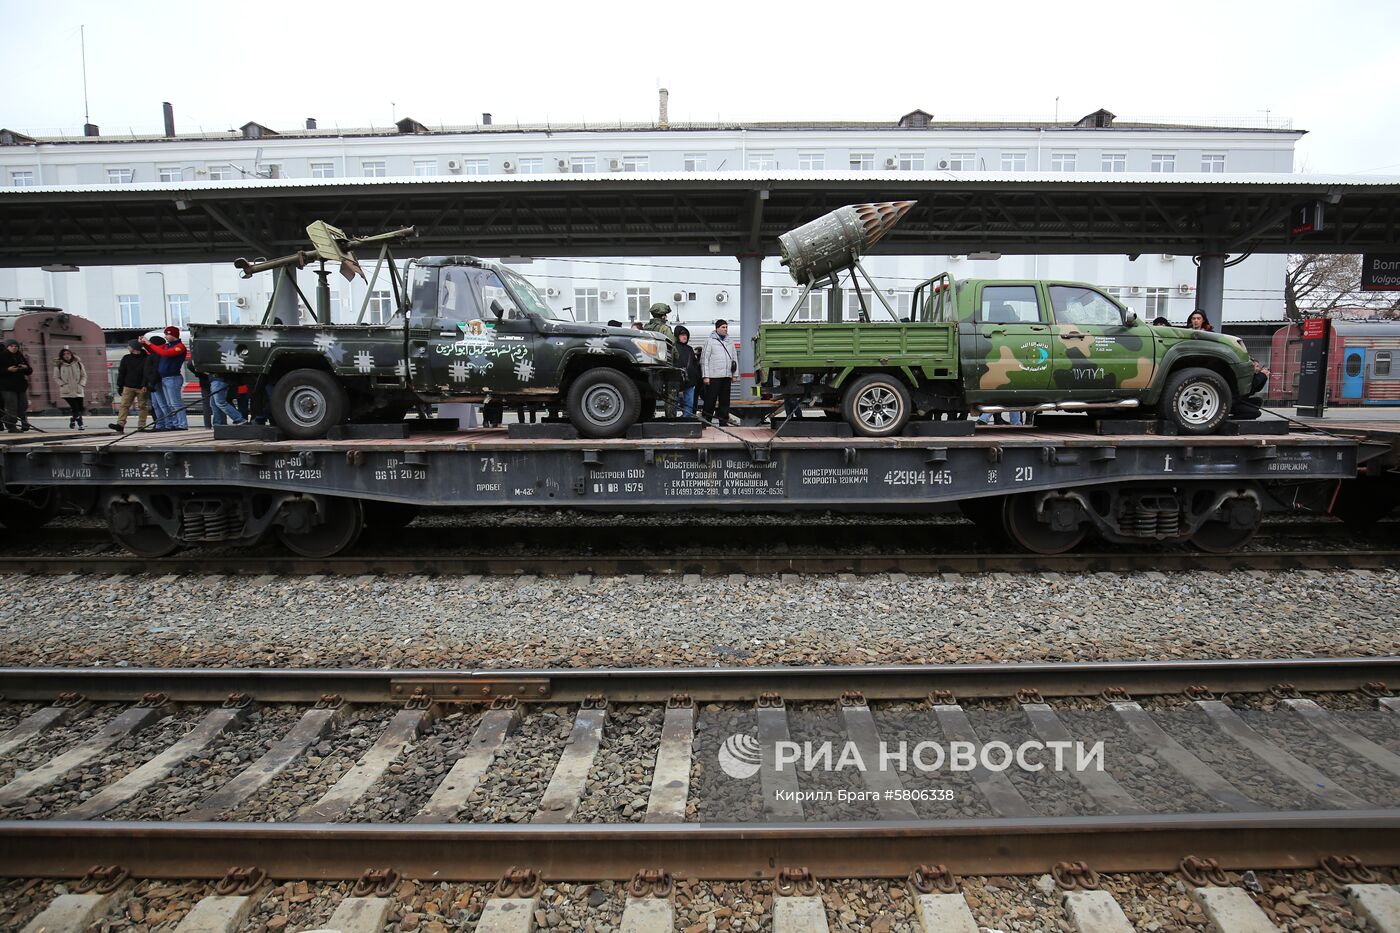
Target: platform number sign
(1312, 372)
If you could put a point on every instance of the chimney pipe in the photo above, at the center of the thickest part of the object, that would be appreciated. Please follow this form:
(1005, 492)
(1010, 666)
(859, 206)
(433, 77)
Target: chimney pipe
(169, 119)
(665, 120)
(486, 119)
(310, 123)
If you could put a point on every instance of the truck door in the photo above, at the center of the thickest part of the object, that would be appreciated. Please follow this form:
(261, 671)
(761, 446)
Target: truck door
(1095, 351)
(471, 350)
(1354, 372)
(1005, 348)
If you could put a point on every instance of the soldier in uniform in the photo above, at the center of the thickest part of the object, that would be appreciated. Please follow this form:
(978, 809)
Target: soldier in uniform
(658, 320)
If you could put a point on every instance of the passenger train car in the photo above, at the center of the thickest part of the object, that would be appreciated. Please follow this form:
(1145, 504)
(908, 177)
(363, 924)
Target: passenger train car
(43, 333)
(1363, 363)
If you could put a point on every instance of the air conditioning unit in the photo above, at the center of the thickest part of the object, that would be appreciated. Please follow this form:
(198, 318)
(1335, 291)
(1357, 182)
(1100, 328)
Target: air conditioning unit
(508, 167)
(891, 163)
(551, 292)
(241, 301)
(1134, 289)
(454, 165)
(1185, 289)
(606, 295)
(679, 298)
(785, 291)
(563, 165)
(721, 296)
(1167, 257)
(615, 165)
(942, 163)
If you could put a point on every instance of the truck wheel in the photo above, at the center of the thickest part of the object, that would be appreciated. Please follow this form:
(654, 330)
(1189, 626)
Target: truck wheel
(306, 403)
(877, 405)
(603, 403)
(1196, 400)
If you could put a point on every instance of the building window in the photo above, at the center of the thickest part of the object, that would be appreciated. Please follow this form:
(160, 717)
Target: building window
(180, 310)
(813, 307)
(172, 174)
(1062, 161)
(1114, 162)
(811, 161)
(22, 179)
(765, 302)
(1213, 162)
(862, 161)
(585, 304)
(322, 169)
(1382, 365)
(695, 162)
(1163, 162)
(911, 161)
(638, 303)
(129, 310)
(381, 306)
(425, 166)
(119, 176)
(220, 173)
(852, 311)
(762, 161)
(531, 166)
(635, 163)
(1013, 161)
(227, 307)
(375, 169)
(475, 167)
(1156, 305)
(962, 161)
(583, 163)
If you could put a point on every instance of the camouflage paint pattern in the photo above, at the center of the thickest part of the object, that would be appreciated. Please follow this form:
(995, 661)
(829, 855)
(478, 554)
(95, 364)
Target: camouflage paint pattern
(1026, 362)
(437, 356)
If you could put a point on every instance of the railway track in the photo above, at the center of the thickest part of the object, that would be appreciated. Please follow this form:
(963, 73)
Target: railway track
(1289, 765)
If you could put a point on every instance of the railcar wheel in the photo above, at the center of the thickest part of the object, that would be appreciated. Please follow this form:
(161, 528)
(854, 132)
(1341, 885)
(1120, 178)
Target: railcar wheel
(877, 405)
(147, 541)
(1022, 526)
(388, 516)
(1197, 401)
(343, 521)
(603, 403)
(307, 403)
(1220, 538)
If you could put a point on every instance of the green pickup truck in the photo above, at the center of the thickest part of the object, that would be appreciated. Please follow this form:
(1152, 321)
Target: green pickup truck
(989, 345)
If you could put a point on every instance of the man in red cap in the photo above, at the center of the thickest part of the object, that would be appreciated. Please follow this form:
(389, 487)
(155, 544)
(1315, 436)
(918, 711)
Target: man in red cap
(172, 380)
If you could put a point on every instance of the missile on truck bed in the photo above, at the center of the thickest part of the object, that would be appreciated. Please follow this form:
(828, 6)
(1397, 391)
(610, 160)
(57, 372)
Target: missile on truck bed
(836, 240)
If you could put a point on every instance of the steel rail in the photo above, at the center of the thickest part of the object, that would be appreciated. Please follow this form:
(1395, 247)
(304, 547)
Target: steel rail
(483, 852)
(876, 682)
(714, 563)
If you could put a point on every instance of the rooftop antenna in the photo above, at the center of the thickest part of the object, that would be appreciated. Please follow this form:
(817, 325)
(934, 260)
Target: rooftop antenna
(1057, 109)
(82, 43)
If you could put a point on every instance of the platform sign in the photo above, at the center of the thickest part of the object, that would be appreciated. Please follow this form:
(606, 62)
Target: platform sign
(1380, 273)
(1312, 372)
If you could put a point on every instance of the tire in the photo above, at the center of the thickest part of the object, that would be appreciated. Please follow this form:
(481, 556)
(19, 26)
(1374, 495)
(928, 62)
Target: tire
(307, 403)
(1196, 400)
(603, 403)
(877, 405)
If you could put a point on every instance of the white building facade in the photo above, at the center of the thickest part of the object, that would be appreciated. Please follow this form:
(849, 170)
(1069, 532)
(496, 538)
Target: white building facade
(702, 288)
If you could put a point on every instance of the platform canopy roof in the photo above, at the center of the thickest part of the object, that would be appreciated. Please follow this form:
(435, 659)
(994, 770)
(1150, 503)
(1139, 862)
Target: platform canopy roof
(692, 213)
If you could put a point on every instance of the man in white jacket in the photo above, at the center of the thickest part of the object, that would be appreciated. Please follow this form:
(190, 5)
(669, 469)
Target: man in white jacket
(718, 365)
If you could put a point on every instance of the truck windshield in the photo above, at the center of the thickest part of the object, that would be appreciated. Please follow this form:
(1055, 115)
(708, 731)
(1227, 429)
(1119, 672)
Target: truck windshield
(528, 295)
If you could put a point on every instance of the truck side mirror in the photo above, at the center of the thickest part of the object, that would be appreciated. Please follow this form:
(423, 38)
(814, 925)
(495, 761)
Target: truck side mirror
(497, 308)
(1130, 319)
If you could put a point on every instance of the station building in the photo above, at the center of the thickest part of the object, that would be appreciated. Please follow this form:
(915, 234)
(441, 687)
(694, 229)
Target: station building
(701, 288)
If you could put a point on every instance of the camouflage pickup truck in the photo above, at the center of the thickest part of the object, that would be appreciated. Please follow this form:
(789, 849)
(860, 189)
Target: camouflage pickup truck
(987, 345)
(473, 331)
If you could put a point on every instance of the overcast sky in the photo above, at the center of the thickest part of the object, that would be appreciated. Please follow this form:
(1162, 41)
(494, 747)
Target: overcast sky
(1326, 66)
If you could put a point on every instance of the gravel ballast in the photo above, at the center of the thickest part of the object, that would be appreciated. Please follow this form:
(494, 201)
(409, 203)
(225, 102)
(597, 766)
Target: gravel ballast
(620, 621)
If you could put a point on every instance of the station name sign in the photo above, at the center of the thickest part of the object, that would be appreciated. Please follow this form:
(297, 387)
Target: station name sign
(1380, 273)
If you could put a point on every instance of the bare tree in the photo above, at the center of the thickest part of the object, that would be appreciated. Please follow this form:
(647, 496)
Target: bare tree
(1319, 282)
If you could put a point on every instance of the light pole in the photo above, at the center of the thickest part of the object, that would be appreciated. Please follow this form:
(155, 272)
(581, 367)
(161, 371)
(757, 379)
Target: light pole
(164, 301)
